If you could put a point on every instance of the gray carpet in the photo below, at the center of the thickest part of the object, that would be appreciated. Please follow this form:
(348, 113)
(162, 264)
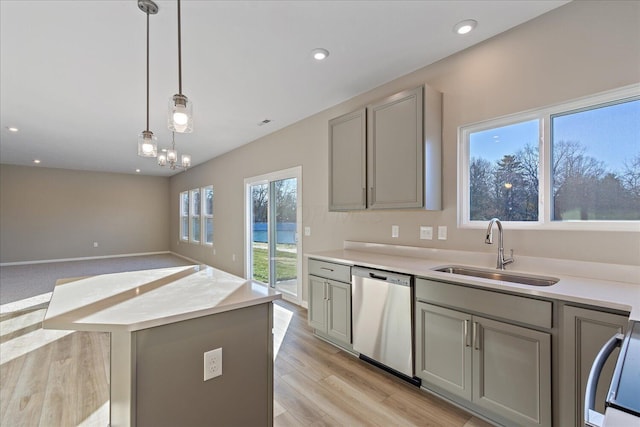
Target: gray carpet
(24, 281)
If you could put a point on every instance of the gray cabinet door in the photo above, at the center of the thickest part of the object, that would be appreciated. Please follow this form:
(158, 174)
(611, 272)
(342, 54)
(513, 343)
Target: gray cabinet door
(584, 332)
(512, 371)
(443, 348)
(339, 311)
(347, 162)
(395, 151)
(317, 303)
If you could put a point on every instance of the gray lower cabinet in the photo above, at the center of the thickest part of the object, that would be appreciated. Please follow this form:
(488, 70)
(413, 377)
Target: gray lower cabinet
(499, 369)
(330, 302)
(584, 332)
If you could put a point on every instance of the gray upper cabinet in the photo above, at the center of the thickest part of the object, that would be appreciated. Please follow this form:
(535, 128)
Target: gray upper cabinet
(388, 156)
(347, 162)
(394, 151)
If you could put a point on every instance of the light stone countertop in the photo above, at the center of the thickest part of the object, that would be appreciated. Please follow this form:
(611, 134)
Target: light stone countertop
(136, 300)
(601, 285)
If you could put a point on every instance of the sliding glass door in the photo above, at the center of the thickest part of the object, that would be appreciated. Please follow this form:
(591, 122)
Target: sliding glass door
(272, 228)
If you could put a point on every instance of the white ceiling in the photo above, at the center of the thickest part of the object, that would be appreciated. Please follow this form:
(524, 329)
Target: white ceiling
(73, 72)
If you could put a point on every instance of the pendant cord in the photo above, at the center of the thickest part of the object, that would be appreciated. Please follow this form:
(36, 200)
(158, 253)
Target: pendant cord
(179, 53)
(147, 71)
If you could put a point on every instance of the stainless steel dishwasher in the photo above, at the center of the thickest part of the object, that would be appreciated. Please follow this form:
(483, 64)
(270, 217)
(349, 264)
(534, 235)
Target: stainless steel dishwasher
(382, 313)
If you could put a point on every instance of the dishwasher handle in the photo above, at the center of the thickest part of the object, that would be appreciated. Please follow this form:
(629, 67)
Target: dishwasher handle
(591, 417)
(377, 276)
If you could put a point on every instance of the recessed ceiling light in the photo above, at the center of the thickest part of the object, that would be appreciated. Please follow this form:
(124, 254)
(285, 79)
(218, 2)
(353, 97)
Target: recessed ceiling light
(137, 170)
(12, 129)
(464, 27)
(319, 53)
(36, 161)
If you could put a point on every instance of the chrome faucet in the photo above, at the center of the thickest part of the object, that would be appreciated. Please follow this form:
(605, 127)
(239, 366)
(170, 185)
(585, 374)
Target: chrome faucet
(489, 240)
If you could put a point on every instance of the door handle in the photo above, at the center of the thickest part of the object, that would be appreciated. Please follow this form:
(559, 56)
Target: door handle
(476, 332)
(466, 333)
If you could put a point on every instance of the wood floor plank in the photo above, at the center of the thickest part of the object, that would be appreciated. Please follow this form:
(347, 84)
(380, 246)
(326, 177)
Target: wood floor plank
(324, 399)
(296, 404)
(60, 397)
(91, 378)
(25, 404)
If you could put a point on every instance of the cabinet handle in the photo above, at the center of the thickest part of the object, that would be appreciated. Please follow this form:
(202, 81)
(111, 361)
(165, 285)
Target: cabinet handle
(326, 269)
(324, 291)
(466, 334)
(476, 332)
(364, 196)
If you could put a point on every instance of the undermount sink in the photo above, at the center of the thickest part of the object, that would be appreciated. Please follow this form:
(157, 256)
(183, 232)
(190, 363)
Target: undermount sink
(499, 275)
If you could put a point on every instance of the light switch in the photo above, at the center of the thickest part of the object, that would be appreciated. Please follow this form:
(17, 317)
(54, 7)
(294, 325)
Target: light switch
(426, 233)
(442, 232)
(395, 231)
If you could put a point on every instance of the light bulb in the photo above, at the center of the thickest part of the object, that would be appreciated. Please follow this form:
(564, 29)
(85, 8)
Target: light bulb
(186, 160)
(172, 155)
(147, 147)
(162, 160)
(180, 116)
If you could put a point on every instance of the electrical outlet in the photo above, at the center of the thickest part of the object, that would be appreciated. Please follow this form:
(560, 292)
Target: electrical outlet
(442, 232)
(213, 364)
(307, 231)
(233, 257)
(426, 233)
(95, 244)
(395, 231)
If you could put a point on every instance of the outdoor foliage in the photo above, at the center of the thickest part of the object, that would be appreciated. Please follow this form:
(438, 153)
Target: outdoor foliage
(582, 187)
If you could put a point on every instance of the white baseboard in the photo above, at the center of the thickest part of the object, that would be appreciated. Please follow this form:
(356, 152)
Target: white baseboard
(186, 258)
(47, 261)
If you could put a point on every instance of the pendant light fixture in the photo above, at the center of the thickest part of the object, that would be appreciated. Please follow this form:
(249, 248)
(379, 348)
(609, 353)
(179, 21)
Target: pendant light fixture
(147, 145)
(180, 108)
(171, 157)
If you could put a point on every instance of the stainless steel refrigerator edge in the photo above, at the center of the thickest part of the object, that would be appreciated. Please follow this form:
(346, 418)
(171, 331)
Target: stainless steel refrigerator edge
(382, 317)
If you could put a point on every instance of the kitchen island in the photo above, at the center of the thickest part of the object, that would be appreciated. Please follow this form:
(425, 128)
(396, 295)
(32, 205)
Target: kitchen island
(161, 323)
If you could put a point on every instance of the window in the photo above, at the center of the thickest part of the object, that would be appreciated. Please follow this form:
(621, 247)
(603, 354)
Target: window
(595, 171)
(194, 215)
(207, 214)
(575, 165)
(184, 216)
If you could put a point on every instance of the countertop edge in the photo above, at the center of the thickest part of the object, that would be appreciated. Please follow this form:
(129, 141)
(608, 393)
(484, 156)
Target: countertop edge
(59, 323)
(595, 292)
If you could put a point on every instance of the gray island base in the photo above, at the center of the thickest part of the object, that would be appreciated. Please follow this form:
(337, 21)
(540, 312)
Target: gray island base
(161, 323)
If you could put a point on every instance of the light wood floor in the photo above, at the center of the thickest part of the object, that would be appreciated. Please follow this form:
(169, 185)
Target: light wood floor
(58, 378)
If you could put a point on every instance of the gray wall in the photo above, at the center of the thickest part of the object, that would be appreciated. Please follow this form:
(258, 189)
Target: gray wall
(576, 50)
(54, 213)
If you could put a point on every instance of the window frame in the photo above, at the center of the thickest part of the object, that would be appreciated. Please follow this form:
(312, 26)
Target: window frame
(184, 238)
(204, 216)
(193, 216)
(544, 115)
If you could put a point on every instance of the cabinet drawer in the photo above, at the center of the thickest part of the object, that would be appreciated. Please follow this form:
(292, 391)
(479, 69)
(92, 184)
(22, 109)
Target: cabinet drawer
(510, 307)
(330, 270)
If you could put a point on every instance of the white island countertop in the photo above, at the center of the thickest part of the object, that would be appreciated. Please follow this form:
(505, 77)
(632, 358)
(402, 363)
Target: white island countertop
(135, 300)
(608, 286)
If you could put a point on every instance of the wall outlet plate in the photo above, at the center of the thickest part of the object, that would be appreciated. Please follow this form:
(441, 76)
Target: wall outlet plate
(442, 232)
(213, 364)
(395, 230)
(426, 233)
(307, 231)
